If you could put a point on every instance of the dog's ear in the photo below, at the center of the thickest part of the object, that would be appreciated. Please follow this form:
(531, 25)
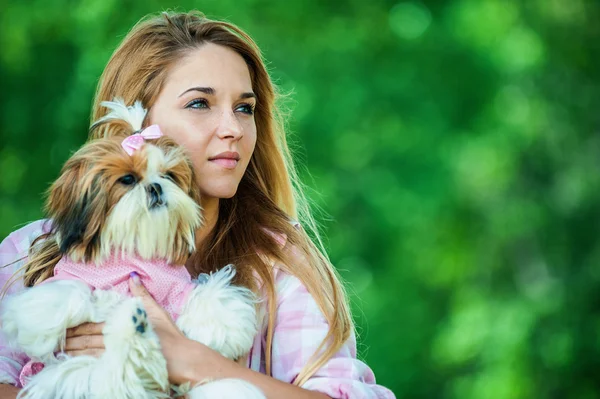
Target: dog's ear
(75, 205)
(186, 176)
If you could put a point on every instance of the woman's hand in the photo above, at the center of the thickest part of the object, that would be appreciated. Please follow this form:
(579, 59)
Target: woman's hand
(187, 360)
(85, 339)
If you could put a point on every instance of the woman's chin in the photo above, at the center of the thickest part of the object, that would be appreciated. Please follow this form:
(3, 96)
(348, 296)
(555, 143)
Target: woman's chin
(221, 192)
(229, 195)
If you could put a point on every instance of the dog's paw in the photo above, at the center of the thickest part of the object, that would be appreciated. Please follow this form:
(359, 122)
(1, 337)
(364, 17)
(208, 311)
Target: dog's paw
(140, 320)
(129, 321)
(133, 354)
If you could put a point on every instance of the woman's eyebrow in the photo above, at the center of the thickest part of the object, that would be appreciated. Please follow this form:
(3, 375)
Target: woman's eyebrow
(247, 95)
(211, 92)
(206, 90)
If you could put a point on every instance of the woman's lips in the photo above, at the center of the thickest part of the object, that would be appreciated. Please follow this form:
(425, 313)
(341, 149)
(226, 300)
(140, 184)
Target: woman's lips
(227, 159)
(227, 163)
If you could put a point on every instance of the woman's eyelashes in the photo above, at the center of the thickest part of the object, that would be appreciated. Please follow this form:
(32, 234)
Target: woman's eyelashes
(246, 108)
(202, 103)
(197, 103)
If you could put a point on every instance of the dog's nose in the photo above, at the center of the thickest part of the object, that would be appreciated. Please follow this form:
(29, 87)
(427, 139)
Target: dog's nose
(155, 195)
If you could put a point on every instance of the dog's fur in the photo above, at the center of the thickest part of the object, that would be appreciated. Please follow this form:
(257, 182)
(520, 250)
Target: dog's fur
(145, 205)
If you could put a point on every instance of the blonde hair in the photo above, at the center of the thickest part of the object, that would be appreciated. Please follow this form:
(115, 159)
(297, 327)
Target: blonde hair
(269, 194)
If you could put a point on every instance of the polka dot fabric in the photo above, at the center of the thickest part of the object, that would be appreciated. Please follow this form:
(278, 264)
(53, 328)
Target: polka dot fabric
(168, 284)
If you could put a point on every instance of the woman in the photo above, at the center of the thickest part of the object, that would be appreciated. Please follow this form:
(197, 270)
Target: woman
(206, 86)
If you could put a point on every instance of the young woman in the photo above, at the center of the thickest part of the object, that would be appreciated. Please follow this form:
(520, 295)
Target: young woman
(206, 86)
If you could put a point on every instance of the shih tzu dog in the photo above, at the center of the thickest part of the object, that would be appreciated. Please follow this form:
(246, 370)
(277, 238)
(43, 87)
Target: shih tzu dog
(121, 205)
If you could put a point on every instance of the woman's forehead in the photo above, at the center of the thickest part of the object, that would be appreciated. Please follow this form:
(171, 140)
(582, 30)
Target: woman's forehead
(210, 66)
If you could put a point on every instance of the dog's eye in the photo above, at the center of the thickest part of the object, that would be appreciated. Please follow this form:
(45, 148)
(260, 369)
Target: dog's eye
(170, 176)
(127, 180)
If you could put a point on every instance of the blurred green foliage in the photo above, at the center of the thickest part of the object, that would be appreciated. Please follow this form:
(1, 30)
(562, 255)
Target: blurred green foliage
(455, 144)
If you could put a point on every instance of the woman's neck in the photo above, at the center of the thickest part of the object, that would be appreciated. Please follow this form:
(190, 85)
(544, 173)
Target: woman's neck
(210, 214)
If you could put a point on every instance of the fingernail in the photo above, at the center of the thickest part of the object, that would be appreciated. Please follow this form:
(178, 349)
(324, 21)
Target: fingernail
(135, 277)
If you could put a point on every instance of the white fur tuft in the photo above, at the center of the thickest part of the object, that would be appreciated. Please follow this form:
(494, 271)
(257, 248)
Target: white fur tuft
(228, 388)
(74, 376)
(29, 325)
(6, 378)
(220, 315)
(134, 114)
(132, 366)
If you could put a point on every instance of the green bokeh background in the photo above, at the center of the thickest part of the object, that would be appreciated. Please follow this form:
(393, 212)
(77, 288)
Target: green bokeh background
(455, 146)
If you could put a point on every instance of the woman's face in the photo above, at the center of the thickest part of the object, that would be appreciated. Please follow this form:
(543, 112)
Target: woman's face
(207, 106)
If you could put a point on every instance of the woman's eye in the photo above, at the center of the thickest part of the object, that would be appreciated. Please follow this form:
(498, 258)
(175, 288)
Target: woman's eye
(246, 108)
(127, 180)
(197, 104)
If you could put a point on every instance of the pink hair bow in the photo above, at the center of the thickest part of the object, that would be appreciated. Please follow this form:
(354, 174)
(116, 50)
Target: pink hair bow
(135, 141)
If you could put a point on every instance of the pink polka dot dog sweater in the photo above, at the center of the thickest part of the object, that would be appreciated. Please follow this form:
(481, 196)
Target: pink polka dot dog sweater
(168, 284)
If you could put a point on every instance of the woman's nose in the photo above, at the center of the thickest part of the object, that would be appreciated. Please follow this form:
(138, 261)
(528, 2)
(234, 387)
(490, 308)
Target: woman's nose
(229, 126)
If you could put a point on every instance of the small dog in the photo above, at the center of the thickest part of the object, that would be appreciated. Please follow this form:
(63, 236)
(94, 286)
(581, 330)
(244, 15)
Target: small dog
(122, 205)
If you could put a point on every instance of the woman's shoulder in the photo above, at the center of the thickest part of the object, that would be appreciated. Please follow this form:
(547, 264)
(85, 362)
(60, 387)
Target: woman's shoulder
(281, 238)
(15, 248)
(282, 241)
(20, 240)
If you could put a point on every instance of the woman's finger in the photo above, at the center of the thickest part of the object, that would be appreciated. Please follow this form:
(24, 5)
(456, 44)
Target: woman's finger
(85, 329)
(87, 352)
(84, 342)
(137, 288)
(155, 313)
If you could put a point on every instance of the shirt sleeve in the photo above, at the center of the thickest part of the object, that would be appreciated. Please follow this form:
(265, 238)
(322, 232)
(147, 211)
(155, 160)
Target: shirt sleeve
(11, 360)
(300, 328)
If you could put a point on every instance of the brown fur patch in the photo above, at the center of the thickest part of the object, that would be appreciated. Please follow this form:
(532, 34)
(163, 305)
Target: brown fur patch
(89, 187)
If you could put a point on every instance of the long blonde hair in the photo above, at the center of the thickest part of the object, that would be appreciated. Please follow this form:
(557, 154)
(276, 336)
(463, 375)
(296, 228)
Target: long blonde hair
(269, 194)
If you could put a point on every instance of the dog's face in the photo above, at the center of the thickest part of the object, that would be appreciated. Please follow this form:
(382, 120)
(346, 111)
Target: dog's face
(107, 201)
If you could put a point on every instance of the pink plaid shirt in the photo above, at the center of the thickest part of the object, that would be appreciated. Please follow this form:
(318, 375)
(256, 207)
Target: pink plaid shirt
(299, 329)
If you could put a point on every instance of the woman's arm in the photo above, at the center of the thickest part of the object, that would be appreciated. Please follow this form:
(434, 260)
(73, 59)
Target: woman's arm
(299, 329)
(197, 362)
(13, 251)
(274, 388)
(188, 360)
(8, 391)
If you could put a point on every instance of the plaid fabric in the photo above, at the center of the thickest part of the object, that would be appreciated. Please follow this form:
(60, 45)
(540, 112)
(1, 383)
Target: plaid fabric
(13, 254)
(299, 329)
